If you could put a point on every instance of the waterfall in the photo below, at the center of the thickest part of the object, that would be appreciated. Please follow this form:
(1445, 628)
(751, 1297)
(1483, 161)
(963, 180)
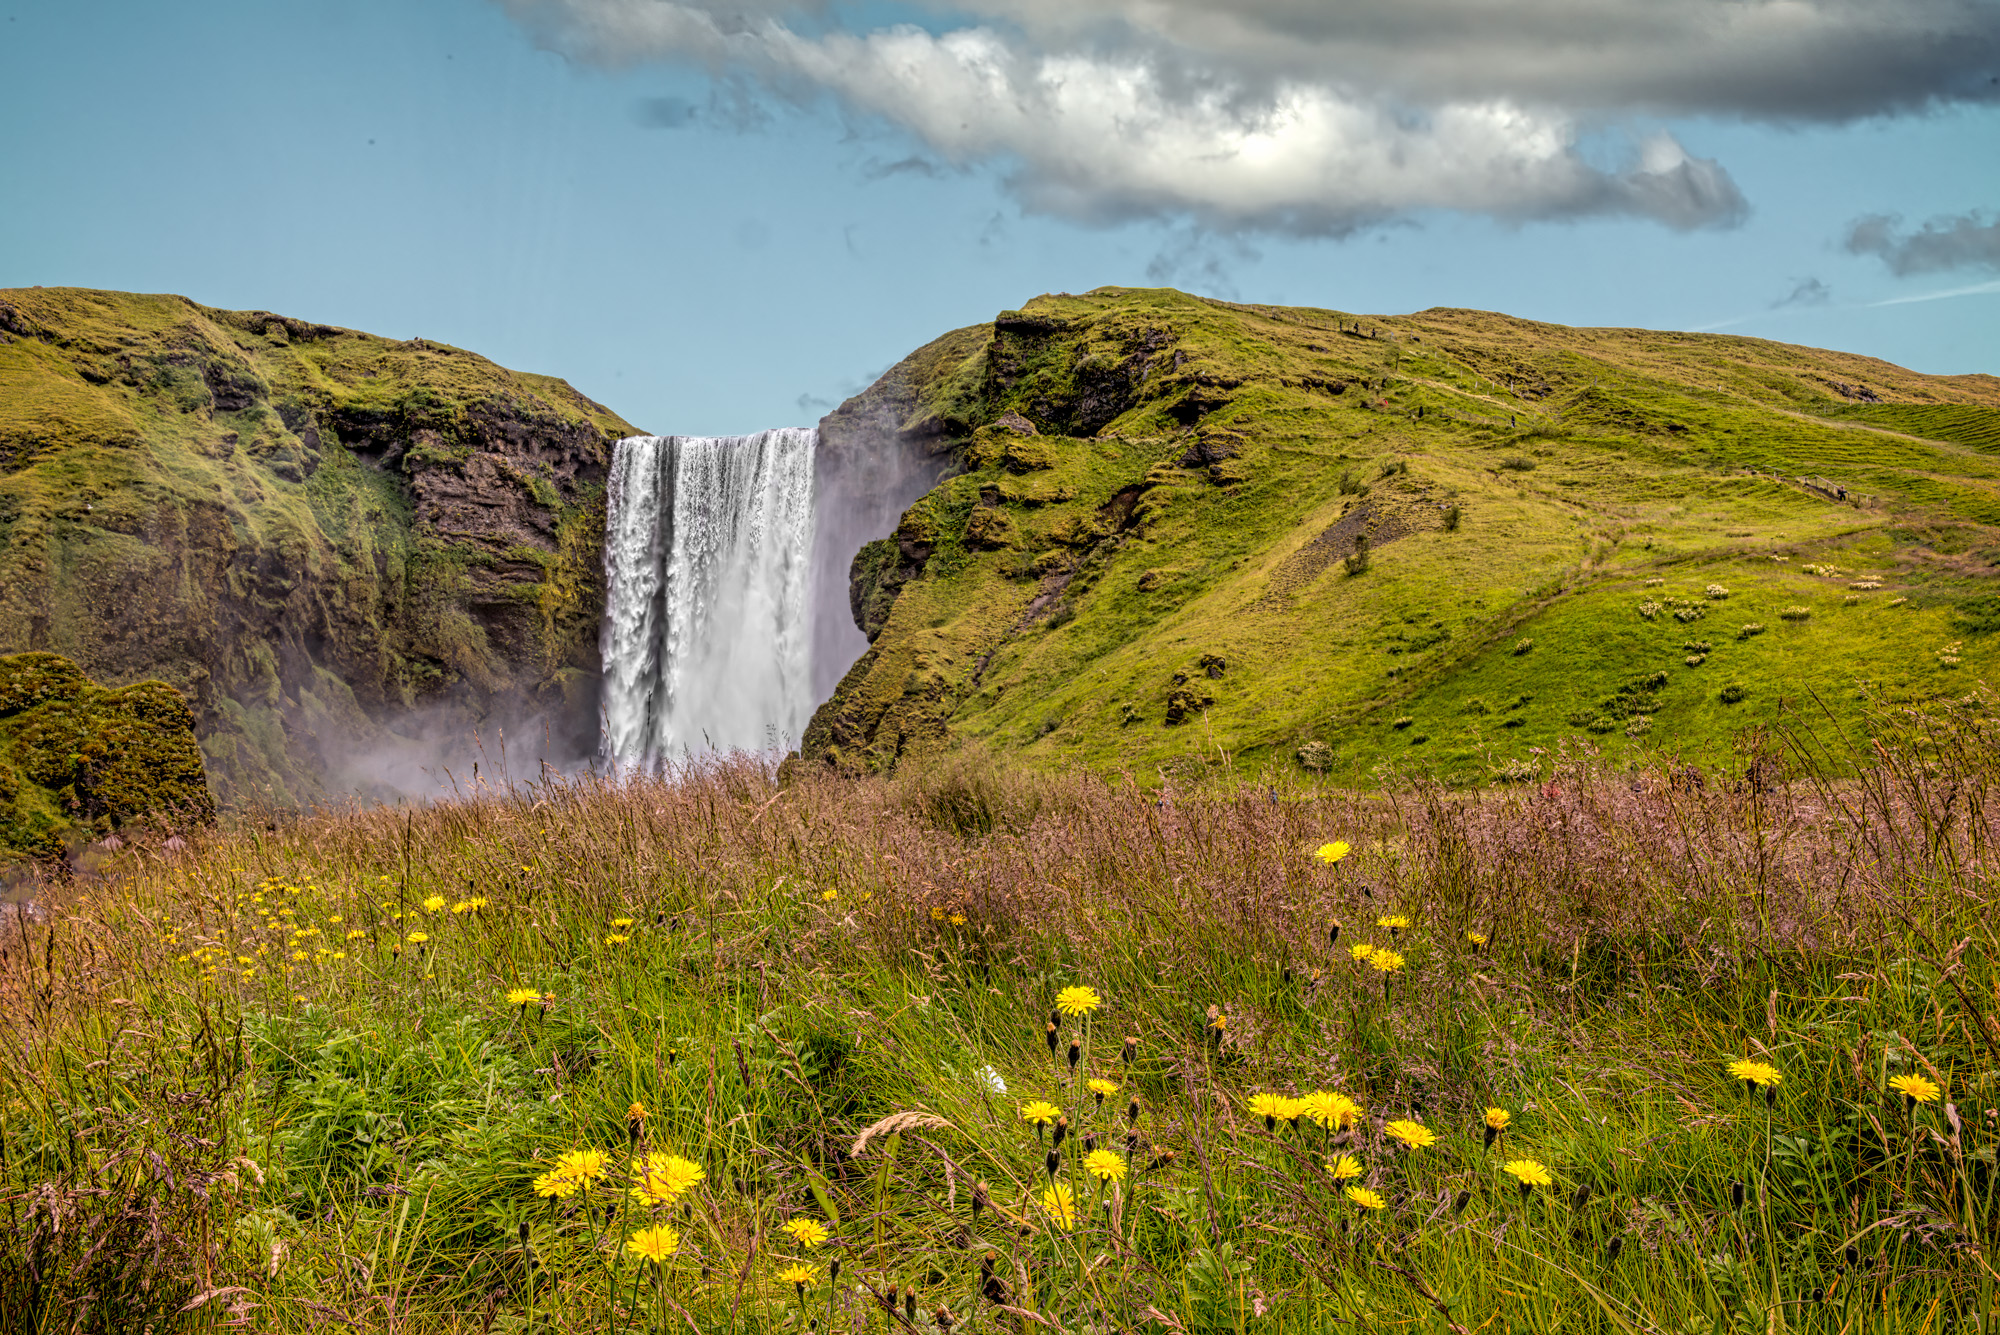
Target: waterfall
(707, 548)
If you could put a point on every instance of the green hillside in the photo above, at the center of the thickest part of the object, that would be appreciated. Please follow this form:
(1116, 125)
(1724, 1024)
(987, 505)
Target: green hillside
(1634, 540)
(307, 531)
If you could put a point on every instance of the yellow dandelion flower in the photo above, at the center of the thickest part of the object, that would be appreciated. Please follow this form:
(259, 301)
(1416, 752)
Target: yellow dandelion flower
(1077, 1001)
(584, 1165)
(1527, 1172)
(1275, 1108)
(662, 1179)
(1101, 1087)
(1344, 1167)
(523, 996)
(298, 955)
(654, 1244)
(1915, 1088)
(956, 920)
(434, 904)
(1040, 1112)
(336, 920)
(556, 1183)
(1414, 1135)
(1360, 951)
(355, 934)
(417, 938)
(616, 939)
(1474, 939)
(1330, 1110)
(806, 1232)
(799, 1276)
(1328, 854)
(1497, 1118)
(621, 922)
(1394, 922)
(828, 896)
(1364, 1198)
(1059, 1203)
(1762, 1074)
(1385, 961)
(1104, 1165)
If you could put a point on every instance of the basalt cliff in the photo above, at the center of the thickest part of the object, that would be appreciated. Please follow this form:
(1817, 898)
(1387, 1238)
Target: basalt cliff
(326, 542)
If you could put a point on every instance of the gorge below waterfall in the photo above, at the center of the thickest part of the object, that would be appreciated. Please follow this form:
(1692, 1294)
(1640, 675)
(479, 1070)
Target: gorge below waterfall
(707, 632)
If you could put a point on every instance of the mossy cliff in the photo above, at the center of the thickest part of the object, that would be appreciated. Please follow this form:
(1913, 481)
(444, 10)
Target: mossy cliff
(78, 761)
(308, 531)
(1186, 535)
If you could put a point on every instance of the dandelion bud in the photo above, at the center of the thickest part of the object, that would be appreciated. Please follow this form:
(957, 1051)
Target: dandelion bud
(1285, 975)
(1617, 1246)
(1818, 1295)
(1062, 1131)
(1075, 1053)
(1164, 1159)
(1582, 1195)
(1366, 893)
(1054, 1163)
(1853, 1257)
(1492, 1134)
(524, 1234)
(833, 1270)
(943, 1317)
(1089, 1141)
(1050, 1038)
(980, 1200)
(1770, 1096)
(1131, 1142)
(1130, 1050)
(1132, 1111)
(910, 1305)
(1333, 935)
(1458, 1206)
(1055, 1018)
(1736, 1194)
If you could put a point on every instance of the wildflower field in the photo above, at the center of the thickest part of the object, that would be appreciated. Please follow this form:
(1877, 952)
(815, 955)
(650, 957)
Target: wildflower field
(965, 1050)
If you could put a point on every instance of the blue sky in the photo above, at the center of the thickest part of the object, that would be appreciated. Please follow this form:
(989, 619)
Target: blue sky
(709, 243)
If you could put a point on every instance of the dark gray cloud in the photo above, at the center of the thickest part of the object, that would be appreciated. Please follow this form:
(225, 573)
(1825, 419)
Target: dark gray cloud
(665, 113)
(1317, 118)
(1950, 241)
(1805, 292)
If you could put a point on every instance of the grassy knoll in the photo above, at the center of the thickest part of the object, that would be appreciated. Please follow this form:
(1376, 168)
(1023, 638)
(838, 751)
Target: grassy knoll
(391, 1070)
(1163, 579)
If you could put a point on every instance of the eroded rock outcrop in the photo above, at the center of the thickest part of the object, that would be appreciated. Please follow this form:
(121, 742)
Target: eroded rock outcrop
(327, 541)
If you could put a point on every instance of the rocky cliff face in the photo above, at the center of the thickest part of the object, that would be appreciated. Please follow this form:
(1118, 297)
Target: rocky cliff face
(1184, 535)
(328, 541)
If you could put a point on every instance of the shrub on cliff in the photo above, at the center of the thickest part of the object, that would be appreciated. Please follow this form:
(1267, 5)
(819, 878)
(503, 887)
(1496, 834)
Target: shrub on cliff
(80, 760)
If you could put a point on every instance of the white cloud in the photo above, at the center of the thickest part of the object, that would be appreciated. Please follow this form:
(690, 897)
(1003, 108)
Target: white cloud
(1310, 117)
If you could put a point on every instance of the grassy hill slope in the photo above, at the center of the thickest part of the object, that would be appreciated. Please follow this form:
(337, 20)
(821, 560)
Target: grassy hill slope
(1640, 539)
(308, 531)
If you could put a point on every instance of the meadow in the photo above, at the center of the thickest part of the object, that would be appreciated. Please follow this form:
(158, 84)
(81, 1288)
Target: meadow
(973, 1049)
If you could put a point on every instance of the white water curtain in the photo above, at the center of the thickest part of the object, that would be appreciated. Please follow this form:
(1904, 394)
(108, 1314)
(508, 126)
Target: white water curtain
(706, 640)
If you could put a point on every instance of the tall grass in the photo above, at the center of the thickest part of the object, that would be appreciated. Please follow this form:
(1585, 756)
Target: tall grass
(835, 997)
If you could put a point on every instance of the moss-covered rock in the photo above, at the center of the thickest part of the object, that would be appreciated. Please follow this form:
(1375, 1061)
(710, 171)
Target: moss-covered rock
(308, 531)
(79, 761)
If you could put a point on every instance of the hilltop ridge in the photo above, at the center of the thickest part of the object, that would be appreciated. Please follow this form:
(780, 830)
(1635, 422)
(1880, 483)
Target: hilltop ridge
(1635, 538)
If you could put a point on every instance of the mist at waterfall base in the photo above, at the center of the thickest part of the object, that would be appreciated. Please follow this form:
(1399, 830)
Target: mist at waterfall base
(727, 621)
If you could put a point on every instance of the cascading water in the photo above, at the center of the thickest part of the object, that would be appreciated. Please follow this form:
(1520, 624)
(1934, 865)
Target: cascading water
(707, 552)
